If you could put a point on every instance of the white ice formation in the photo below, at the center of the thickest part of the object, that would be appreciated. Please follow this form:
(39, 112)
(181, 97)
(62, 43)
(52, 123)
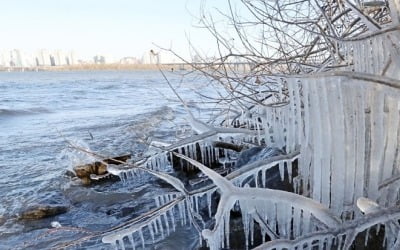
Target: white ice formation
(341, 127)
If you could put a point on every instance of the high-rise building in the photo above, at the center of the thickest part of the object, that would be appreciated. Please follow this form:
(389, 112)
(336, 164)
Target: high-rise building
(98, 59)
(16, 58)
(3, 62)
(44, 58)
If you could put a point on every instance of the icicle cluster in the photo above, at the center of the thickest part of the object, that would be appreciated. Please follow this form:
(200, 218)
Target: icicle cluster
(278, 212)
(270, 121)
(347, 130)
(201, 151)
(352, 149)
(344, 236)
(375, 54)
(156, 226)
(158, 162)
(257, 172)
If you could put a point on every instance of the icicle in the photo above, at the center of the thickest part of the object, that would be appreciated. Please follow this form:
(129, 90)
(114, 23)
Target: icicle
(154, 224)
(296, 222)
(121, 243)
(163, 161)
(159, 223)
(338, 160)
(306, 222)
(377, 140)
(378, 228)
(151, 230)
(171, 156)
(166, 222)
(255, 178)
(203, 159)
(282, 170)
(263, 178)
(360, 134)
(282, 217)
(321, 243)
(340, 241)
(216, 154)
(188, 211)
(291, 128)
(157, 200)
(271, 215)
(209, 196)
(366, 237)
(251, 226)
(131, 241)
(305, 156)
(329, 243)
(180, 159)
(258, 132)
(171, 214)
(193, 149)
(315, 112)
(163, 199)
(226, 230)
(299, 120)
(141, 237)
(182, 211)
(195, 202)
(392, 122)
(157, 163)
(289, 169)
(210, 155)
(325, 142)
(246, 222)
(153, 163)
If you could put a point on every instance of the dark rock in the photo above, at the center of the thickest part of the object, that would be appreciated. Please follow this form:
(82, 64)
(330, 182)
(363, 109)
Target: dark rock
(42, 211)
(46, 204)
(97, 168)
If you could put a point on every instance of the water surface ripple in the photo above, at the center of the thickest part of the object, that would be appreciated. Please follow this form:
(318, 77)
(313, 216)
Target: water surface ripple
(107, 111)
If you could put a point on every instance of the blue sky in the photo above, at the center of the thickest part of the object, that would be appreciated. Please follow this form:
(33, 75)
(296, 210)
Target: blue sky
(115, 27)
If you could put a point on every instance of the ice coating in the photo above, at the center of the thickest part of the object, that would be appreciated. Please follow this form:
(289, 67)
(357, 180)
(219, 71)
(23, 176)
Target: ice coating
(367, 206)
(344, 126)
(252, 198)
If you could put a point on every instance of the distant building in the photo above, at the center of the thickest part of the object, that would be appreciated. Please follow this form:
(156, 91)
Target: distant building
(72, 58)
(16, 58)
(99, 59)
(129, 60)
(5, 58)
(44, 58)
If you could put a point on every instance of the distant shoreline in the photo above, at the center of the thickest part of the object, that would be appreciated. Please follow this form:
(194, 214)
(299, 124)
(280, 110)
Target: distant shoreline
(98, 67)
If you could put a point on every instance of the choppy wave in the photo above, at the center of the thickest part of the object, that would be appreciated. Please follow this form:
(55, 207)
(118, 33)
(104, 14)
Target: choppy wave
(19, 112)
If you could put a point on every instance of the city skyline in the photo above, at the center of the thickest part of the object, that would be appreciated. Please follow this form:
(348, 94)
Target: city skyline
(116, 29)
(45, 57)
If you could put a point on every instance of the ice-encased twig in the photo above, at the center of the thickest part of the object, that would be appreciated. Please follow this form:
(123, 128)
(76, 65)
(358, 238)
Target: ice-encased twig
(347, 229)
(118, 234)
(230, 194)
(147, 219)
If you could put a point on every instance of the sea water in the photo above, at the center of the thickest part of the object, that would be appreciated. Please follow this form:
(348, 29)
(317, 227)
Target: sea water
(111, 113)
